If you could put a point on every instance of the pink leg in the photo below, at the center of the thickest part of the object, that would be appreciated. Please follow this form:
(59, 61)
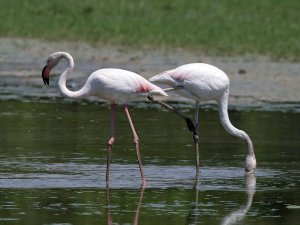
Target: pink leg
(136, 142)
(110, 141)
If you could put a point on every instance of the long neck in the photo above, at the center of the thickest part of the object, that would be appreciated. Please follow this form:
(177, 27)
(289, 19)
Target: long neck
(63, 78)
(224, 118)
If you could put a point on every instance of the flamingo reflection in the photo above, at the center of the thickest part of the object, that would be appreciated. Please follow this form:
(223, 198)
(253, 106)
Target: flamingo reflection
(193, 215)
(239, 214)
(137, 211)
(234, 217)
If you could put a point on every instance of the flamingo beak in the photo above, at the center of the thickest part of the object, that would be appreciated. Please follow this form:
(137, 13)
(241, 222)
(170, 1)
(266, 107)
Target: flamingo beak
(45, 74)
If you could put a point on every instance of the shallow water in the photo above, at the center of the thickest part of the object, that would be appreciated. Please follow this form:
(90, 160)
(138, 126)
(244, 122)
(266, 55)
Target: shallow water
(53, 161)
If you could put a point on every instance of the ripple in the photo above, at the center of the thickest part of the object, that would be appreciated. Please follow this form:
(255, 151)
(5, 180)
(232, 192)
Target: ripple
(79, 175)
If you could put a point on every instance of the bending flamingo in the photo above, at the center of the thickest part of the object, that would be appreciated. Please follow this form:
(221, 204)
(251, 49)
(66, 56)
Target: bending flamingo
(113, 85)
(200, 82)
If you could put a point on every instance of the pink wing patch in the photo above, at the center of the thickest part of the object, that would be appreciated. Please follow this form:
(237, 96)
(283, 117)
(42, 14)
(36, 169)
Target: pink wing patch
(144, 88)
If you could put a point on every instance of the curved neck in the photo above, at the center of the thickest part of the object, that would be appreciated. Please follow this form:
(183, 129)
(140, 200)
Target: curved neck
(224, 118)
(63, 78)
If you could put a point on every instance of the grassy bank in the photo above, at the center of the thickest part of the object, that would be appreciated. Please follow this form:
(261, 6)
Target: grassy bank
(233, 27)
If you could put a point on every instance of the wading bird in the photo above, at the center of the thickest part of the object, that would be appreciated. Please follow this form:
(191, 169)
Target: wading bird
(112, 85)
(201, 82)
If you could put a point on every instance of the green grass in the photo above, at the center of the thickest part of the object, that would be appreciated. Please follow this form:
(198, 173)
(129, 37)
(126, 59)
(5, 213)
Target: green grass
(229, 27)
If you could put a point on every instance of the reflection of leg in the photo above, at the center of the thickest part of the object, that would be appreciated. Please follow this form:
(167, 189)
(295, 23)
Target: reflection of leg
(193, 215)
(137, 212)
(196, 138)
(136, 142)
(110, 141)
(109, 219)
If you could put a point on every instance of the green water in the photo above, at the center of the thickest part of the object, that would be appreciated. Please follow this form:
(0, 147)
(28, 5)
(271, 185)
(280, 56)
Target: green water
(53, 161)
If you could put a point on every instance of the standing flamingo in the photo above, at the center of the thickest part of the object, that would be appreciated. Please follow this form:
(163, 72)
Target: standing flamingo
(113, 85)
(200, 82)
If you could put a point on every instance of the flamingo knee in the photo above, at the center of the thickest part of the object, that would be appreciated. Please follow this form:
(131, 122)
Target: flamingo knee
(136, 140)
(111, 141)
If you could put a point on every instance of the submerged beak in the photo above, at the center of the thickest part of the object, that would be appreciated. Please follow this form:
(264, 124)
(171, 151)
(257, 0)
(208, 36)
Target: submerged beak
(46, 74)
(248, 171)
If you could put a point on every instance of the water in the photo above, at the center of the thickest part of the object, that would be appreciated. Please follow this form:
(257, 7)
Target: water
(53, 161)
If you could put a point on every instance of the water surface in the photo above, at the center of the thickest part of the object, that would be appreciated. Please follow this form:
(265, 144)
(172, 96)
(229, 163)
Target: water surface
(53, 161)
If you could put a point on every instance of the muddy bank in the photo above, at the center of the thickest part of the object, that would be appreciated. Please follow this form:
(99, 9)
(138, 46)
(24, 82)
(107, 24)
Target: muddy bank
(254, 80)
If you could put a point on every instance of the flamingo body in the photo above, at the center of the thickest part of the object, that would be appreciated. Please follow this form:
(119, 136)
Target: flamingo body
(201, 82)
(117, 85)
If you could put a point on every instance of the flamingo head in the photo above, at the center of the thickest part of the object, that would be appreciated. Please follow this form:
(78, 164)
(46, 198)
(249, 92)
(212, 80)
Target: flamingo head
(51, 62)
(250, 164)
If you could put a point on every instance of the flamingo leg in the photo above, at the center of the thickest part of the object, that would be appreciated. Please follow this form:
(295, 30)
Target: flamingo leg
(110, 141)
(136, 142)
(188, 121)
(193, 127)
(196, 137)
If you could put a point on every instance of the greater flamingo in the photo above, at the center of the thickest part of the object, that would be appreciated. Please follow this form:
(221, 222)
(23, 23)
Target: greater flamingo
(112, 85)
(200, 82)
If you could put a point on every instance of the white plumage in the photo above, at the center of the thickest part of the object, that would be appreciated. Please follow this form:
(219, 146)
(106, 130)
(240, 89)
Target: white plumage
(200, 81)
(117, 85)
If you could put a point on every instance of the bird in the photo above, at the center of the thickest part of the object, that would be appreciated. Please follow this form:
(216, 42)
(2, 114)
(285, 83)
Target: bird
(202, 82)
(111, 84)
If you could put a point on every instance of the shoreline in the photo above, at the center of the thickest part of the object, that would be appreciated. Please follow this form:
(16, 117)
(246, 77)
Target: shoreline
(254, 80)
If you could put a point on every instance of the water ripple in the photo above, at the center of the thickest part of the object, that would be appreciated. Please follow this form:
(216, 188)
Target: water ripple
(79, 175)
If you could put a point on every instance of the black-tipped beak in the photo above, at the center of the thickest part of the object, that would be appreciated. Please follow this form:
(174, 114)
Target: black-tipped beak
(46, 74)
